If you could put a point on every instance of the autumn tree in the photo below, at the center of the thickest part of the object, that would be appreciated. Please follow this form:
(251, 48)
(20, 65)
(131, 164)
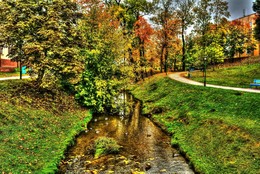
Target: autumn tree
(143, 31)
(175, 51)
(128, 13)
(207, 11)
(164, 13)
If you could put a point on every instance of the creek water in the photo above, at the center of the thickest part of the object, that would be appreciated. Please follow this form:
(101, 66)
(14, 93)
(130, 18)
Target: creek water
(145, 147)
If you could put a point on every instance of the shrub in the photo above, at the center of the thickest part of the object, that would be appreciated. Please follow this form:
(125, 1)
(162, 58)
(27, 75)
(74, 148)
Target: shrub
(104, 145)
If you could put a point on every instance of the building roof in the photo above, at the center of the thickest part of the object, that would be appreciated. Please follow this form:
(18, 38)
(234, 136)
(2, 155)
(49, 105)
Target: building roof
(245, 16)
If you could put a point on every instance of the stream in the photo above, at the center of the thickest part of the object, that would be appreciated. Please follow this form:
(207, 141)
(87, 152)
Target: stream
(145, 147)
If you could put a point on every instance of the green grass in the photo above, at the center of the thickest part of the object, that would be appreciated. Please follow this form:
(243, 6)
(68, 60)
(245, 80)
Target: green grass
(36, 127)
(105, 145)
(217, 129)
(9, 74)
(236, 76)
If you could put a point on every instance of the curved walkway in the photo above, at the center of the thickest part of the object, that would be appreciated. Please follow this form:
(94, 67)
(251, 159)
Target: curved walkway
(178, 76)
(14, 77)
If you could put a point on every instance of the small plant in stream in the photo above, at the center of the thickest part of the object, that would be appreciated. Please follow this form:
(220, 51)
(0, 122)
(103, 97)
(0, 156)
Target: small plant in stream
(104, 145)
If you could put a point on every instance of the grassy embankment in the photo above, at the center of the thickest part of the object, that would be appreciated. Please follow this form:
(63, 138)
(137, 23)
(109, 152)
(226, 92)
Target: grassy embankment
(236, 76)
(217, 129)
(9, 74)
(36, 126)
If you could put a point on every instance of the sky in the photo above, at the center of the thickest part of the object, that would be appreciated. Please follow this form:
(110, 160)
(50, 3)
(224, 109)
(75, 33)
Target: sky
(236, 8)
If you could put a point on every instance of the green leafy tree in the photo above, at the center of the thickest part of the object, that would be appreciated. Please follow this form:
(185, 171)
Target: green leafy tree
(185, 14)
(207, 11)
(103, 57)
(256, 8)
(238, 39)
(213, 52)
(14, 27)
(219, 10)
(43, 35)
(202, 16)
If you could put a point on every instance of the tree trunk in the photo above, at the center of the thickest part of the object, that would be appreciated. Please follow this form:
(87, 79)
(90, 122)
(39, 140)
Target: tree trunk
(183, 50)
(161, 59)
(40, 77)
(166, 58)
(21, 70)
(174, 64)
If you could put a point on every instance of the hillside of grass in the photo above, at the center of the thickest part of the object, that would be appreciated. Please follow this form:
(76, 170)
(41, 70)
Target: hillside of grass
(235, 76)
(217, 129)
(36, 127)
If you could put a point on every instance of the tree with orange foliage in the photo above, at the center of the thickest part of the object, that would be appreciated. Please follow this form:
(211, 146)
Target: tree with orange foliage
(168, 27)
(129, 13)
(143, 32)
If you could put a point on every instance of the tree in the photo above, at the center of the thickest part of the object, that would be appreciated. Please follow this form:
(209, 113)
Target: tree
(202, 16)
(43, 35)
(143, 31)
(238, 39)
(103, 57)
(207, 11)
(256, 8)
(212, 51)
(186, 16)
(128, 13)
(219, 10)
(164, 15)
(14, 28)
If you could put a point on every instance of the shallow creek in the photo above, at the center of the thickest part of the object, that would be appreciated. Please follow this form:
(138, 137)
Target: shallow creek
(145, 148)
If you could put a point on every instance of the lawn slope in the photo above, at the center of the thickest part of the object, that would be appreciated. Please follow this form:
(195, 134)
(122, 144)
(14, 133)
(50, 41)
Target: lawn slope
(36, 126)
(217, 129)
(236, 76)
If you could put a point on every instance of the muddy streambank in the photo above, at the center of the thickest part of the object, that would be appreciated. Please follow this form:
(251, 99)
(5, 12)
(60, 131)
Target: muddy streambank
(144, 146)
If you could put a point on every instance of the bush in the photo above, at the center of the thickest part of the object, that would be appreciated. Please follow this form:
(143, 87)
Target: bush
(104, 145)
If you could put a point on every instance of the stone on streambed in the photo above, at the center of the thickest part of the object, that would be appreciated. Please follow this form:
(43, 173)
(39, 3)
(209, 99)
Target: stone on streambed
(163, 171)
(148, 166)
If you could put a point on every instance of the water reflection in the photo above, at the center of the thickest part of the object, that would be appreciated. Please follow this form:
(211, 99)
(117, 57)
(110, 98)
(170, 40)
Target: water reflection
(124, 103)
(145, 146)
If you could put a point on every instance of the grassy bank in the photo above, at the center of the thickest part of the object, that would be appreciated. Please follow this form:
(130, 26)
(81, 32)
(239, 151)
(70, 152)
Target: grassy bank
(217, 129)
(9, 74)
(36, 126)
(236, 76)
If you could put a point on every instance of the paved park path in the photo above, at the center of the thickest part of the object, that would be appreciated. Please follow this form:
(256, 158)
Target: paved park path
(15, 77)
(179, 76)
